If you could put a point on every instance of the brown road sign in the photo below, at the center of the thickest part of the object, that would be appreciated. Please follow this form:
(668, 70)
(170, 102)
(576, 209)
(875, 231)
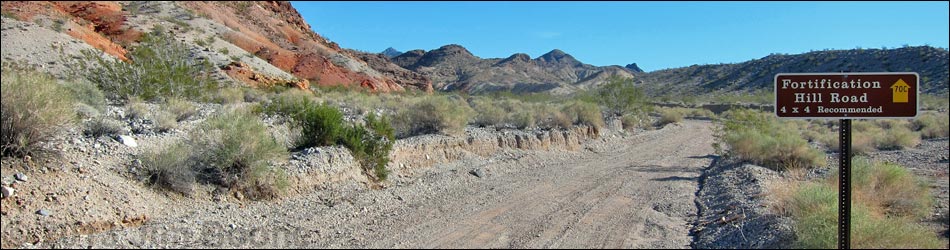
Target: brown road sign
(851, 95)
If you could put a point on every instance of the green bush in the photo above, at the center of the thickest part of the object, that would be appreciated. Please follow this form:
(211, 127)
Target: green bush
(228, 95)
(897, 138)
(814, 208)
(433, 114)
(522, 119)
(289, 102)
(101, 126)
(620, 96)
(584, 113)
(933, 125)
(180, 109)
(164, 121)
(171, 168)
(321, 125)
(34, 108)
(761, 139)
(488, 114)
(886, 202)
(88, 94)
(668, 116)
(232, 149)
(889, 186)
(632, 121)
(371, 145)
(160, 67)
(553, 117)
(136, 109)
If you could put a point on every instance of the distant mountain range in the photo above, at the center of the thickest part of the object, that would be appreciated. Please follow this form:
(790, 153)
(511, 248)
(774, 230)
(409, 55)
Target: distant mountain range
(454, 68)
(756, 75)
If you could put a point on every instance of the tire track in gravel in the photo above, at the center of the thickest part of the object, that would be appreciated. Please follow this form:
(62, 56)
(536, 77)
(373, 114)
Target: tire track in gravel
(634, 196)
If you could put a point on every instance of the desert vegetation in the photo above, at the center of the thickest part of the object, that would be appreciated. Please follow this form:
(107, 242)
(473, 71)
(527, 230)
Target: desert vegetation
(159, 67)
(232, 150)
(887, 201)
(34, 108)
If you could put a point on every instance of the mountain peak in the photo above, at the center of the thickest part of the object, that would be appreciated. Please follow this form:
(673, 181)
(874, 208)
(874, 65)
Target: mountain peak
(519, 57)
(453, 49)
(633, 67)
(559, 57)
(391, 52)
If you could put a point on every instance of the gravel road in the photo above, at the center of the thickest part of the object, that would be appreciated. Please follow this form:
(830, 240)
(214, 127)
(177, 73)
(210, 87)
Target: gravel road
(635, 191)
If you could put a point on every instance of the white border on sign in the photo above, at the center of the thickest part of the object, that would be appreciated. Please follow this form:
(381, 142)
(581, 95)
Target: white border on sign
(775, 94)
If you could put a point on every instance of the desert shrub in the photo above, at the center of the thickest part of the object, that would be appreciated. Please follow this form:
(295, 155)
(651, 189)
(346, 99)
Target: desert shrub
(289, 102)
(761, 139)
(101, 126)
(34, 108)
(896, 138)
(180, 109)
(932, 125)
(632, 121)
(886, 202)
(814, 208)
(370, 145)
(88, 94)
(620, 96)
(553, 117)
(228, 95)
(254, 95)
(890, 187)
(159, 66)
(668, 116)
(165, 121)
(934, 102)
(522, 119)
(232, 149)
(433, 114)
(171, 168)
(584, 113)
(321, 125)
(136, 109)
(488, 114)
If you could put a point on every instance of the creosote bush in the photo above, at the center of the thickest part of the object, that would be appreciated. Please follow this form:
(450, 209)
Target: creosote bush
(159, 67)
(323, 125)
(668, 116)
(433, 114)
(34, 108)
(232, 149)
(887, 201)
(761, 139)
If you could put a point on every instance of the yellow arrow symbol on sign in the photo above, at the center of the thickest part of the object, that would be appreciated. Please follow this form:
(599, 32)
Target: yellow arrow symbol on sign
(900, 91)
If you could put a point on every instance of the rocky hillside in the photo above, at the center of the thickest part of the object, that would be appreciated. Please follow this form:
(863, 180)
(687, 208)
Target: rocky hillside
(452, 67)
(757, 75)
(250, 41)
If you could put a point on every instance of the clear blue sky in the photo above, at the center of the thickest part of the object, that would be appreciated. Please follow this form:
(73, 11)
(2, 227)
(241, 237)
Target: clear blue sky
(655, 35)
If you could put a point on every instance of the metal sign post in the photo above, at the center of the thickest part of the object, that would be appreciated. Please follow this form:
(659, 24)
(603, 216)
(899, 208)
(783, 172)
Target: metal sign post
(844, 184)
(846, 96)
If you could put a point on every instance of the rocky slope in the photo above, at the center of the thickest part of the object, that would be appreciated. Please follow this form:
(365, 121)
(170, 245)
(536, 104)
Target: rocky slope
(758, 75)
(452, 67)
(248, 40)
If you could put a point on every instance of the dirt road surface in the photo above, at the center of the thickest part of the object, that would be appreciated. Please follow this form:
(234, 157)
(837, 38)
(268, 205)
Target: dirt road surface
(635, 191)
